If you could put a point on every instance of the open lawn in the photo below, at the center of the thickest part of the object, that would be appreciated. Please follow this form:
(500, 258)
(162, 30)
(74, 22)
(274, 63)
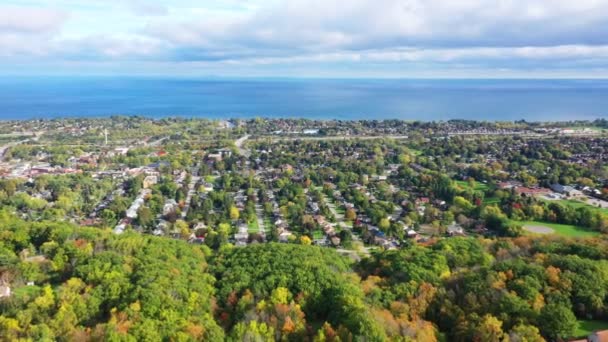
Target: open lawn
(253, 226)
(479, 186)
(560, 229)
(578, 204)
(427, 229)
(26, 292)
(416, 152)
(585, 327)
(491, 200)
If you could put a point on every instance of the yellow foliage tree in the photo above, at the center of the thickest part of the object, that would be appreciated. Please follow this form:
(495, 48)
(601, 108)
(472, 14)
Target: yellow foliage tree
(305, 240)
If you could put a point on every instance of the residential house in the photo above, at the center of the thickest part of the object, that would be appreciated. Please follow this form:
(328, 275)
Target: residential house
(5, 291)
(412, 234)
(509, 185)
(169, 207)
(522, 190)
(121, 150)
(455, 229)
(208, 187)
(149, 181)
(284, 236)
(242, 236)
(225, 152)
(562, 189)
(215, 157)
(120, 228)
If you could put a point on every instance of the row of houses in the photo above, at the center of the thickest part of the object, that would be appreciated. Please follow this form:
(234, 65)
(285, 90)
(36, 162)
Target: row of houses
(328, 229)
(131, 213)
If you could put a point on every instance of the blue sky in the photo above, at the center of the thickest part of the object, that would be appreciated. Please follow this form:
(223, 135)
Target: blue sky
(306, 38)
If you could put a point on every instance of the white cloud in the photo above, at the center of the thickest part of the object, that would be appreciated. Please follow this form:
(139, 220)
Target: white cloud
(30, 20)
(147, 8)
(27, 31)
(443, 55)
(499, 34)
(363, 24)
(100, 47)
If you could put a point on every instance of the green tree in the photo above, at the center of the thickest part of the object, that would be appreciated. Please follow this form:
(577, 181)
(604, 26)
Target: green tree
(145, 217)
(525, 333)
(108, 217)
(182, 228)
(384, 224)
(556, 321)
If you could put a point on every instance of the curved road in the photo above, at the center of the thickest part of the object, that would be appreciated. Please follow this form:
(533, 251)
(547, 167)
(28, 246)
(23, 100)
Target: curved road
(239, 145)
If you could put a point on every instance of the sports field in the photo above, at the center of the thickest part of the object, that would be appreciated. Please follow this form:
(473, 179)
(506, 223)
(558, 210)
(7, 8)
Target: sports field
(544, 228)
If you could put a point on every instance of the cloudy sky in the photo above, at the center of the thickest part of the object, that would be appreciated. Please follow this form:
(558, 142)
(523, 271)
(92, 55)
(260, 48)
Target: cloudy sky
(305, 38)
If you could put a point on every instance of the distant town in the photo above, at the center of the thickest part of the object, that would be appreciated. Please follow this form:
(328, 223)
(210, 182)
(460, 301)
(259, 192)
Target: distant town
(360, 188)
(349, 185)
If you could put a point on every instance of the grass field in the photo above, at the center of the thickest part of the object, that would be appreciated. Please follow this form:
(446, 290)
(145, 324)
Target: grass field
(479, 186)
(26, 292)
(267, 223)
(585, 328)
(578, 204)
(491, 200)
(416, 152)
(562, 229)
(253, 226)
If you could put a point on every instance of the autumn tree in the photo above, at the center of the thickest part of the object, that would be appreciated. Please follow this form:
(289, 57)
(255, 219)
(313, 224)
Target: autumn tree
(234, 213)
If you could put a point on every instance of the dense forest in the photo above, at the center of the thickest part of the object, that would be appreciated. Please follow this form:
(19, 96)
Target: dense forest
(73, 283)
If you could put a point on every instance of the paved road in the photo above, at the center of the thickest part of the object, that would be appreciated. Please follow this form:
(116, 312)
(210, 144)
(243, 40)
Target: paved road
(352, 254)
(355, 254)
(157, 142)
(592, 201)
(193, 181)
(439, 134)
(343, 137)
(259, 212)
(239, 145)
(4, 148)
(332, 207)
(191, 192)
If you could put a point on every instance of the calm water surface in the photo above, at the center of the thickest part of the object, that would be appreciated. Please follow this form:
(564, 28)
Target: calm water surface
(533, 100)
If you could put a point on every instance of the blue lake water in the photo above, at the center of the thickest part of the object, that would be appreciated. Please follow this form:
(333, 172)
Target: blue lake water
(532, 100)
